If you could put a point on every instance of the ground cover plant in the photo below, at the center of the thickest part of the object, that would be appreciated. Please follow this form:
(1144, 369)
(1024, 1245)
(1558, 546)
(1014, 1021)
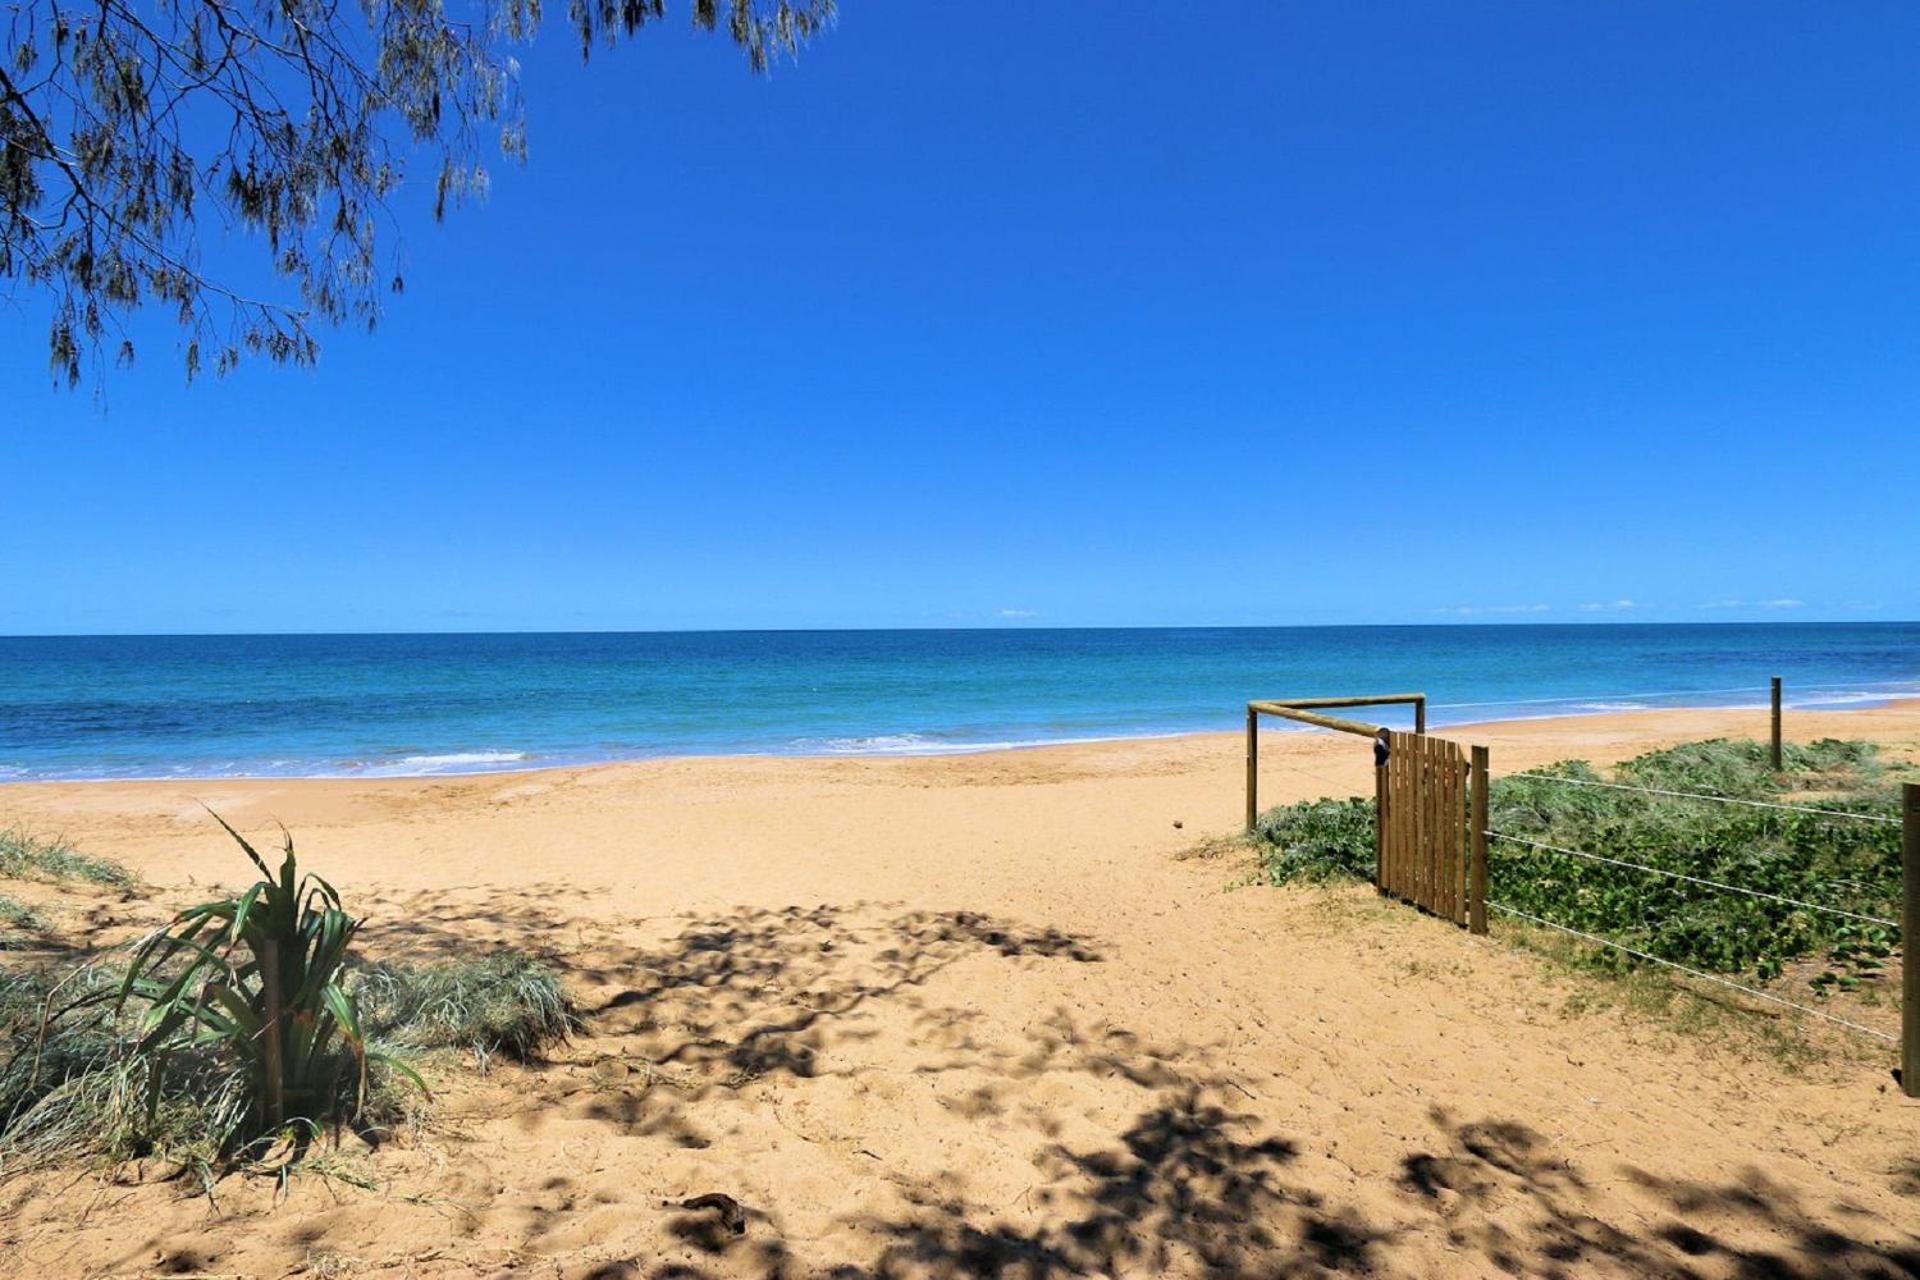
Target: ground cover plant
(238, 1028)
(1813, 858)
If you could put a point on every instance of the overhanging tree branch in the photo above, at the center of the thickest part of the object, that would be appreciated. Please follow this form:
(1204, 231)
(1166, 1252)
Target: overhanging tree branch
(291, 119)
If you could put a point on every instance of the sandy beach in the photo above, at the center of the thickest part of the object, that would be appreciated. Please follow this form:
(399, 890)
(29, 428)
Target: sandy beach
(981, 1015)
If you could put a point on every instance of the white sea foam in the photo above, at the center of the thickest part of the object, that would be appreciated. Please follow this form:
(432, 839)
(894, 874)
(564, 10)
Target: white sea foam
(878, 744)
(914, 744)
(448, 762)
(1850, 697)
(464, 757)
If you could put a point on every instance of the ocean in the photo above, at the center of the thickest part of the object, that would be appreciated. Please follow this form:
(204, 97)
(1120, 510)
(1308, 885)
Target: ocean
(395, 705)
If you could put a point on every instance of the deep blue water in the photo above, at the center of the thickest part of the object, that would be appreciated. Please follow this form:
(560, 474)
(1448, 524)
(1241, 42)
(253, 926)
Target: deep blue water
(197, 706)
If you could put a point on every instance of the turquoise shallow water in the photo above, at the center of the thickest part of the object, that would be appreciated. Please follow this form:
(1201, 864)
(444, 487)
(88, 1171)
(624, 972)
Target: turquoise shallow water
(216, 706)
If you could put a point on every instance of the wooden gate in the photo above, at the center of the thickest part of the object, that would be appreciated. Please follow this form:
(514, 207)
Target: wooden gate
(1424, 835)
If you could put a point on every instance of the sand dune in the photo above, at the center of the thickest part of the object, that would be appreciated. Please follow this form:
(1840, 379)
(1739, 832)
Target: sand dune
(976, 1015)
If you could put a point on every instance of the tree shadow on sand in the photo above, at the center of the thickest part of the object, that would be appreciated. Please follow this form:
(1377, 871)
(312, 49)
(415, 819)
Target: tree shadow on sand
(1177, 1191)
(725, 999)
(759, 993)
(683, 1015)
(1180, 1193)
(1546, 1224)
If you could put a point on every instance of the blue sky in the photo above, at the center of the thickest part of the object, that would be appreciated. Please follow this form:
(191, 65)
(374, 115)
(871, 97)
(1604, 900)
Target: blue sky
(1064, 315)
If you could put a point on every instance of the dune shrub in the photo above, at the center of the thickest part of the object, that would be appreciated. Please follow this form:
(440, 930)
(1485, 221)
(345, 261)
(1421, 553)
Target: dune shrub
(1318, 840)
(1814, 858)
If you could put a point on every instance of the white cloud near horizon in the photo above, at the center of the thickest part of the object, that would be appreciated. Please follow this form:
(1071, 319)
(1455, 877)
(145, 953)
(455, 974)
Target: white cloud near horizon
(1782, 602)
(1610, 606)
(1469, 610)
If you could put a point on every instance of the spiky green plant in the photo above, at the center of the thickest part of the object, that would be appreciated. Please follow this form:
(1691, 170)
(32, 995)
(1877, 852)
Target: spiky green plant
(253, 982)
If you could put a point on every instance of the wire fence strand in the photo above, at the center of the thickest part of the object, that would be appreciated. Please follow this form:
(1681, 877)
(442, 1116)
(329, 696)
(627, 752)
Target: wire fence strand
(1576, 698)
(1702, 795)
(1895, 688)
(1693, 973)
(1680, 875)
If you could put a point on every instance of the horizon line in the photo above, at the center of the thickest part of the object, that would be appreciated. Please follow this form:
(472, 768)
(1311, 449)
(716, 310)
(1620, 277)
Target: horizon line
(1458, 624)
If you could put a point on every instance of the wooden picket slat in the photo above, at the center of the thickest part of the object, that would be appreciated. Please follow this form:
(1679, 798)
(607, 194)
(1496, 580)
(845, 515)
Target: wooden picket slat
(1401, 799)
(1398, 816)
(1465, 843)
(1409, 820)
(1457, 829)
(1423, 845)
(1442, 767)
(1456, 834)
(1406, 820)
(1423, 866)
(1450, 859)
(1421, 822)
(1429, 782)
(1417, 829)
(1438, 897)
(1443, 865)
(1396, 787)
(1443, 903)
(1403, 814)
(1453, 836)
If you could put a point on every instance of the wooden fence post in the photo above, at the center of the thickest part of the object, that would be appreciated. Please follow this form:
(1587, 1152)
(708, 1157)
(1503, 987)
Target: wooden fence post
(1477, 878)
(1910, 940)
(1379, 823)
(1253, 768)
(1776, 724)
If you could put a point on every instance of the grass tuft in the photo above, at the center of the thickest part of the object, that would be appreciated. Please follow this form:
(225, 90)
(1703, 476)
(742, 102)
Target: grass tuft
(53, 1062)
(16, 918)
(26, 856)
(506, 1003)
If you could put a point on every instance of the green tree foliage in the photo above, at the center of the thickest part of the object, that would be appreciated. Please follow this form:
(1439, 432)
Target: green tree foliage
(128, 129)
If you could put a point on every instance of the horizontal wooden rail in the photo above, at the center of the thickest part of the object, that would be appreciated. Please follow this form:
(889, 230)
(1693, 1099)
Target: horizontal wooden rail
(1297, 709)
(1374, 700)
(1314, 718)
